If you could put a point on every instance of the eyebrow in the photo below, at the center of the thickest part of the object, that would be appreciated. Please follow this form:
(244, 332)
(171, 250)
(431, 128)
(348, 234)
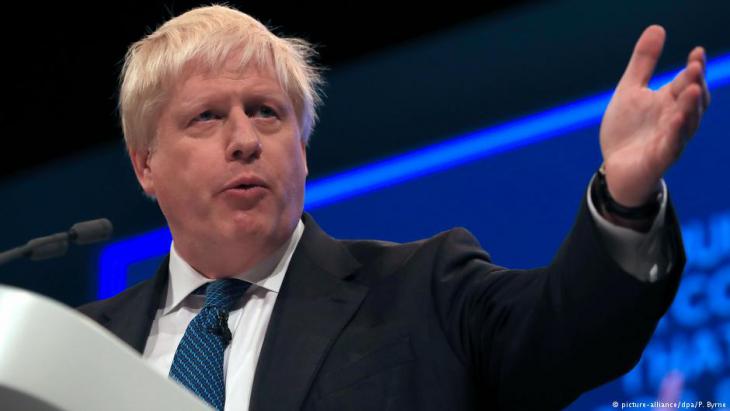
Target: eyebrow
(193, 100)
(277, 96)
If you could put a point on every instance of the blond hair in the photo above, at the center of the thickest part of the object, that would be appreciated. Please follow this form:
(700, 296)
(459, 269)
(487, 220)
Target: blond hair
(210, 35)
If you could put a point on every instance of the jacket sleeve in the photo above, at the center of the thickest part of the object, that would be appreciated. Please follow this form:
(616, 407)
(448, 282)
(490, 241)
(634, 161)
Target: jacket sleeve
(537, 339)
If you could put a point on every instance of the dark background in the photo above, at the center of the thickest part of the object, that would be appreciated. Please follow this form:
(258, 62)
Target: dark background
(62, 62)
(63, 59)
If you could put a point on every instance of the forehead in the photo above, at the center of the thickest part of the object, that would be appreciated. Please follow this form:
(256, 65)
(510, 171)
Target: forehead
(252, 74)
(206, 76)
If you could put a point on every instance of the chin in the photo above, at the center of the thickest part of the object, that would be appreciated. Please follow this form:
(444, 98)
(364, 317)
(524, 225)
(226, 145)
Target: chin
(246, 228)
(261, 226)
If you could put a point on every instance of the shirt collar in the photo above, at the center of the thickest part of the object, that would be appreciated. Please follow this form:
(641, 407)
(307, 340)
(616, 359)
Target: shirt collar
(268, 274)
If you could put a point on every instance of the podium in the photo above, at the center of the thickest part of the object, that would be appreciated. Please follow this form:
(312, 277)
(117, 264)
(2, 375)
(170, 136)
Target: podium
(53, 358)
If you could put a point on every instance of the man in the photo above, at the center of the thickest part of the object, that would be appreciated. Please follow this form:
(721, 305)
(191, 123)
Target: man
(217, 112)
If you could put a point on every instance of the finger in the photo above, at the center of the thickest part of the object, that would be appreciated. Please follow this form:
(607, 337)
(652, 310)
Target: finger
(644, 58)
(690, 106)
(698, 54)
(692, 74)
(706, 97)
(671, 145)
(689, 100)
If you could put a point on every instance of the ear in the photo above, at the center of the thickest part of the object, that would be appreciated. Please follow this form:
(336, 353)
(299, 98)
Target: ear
(141, 164)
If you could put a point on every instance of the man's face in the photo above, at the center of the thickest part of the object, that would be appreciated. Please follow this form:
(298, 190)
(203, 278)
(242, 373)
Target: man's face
(228, 168)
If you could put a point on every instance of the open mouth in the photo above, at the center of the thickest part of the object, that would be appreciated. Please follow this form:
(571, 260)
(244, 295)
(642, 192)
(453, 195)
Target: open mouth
(246, 186)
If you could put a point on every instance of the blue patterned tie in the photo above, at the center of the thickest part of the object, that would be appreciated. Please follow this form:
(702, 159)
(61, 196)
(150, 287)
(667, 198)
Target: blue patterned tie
(198, 363)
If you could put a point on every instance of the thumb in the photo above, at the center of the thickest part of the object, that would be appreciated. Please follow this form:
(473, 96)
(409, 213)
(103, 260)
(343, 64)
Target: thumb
(644, 59)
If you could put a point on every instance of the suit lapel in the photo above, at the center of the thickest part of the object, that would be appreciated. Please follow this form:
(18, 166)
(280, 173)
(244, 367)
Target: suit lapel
(314, 304)
(131, 317)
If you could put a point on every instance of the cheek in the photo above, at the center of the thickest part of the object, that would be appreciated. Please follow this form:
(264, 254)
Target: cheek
(291, 174)
(182, 174)
(298, 168)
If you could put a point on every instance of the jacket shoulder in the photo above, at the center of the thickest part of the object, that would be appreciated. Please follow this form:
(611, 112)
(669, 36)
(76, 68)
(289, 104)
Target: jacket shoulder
(372, 248)
(387, 257)
(96, 309)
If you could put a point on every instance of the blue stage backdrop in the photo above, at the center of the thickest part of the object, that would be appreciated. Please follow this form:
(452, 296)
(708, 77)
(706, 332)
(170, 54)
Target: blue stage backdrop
(517, 186)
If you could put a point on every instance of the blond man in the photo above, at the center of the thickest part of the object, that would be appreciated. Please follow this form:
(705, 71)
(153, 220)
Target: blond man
(257, 308)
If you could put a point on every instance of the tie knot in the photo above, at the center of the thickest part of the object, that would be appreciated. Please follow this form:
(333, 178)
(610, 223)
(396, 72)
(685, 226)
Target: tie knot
(224, 293)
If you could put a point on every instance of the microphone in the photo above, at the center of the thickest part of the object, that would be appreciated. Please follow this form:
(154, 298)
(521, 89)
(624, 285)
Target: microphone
(92, 231)
(56, 245)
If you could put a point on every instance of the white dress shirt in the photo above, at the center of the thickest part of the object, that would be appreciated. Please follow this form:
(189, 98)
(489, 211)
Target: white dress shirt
(637, 253)
(248, 326)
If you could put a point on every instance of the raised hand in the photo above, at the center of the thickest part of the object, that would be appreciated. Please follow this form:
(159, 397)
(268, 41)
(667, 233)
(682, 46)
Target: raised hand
(643, 131)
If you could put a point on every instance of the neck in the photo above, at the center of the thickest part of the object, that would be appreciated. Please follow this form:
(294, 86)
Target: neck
(217, 261)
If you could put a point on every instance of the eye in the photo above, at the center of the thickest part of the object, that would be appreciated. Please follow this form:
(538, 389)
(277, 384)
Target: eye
(205, 116)
(268, 111)
(265, 111)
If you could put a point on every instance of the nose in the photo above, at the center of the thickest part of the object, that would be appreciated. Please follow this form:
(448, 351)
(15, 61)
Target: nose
(243, 143)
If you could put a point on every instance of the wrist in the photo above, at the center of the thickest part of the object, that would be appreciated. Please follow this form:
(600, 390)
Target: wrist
(639, 217)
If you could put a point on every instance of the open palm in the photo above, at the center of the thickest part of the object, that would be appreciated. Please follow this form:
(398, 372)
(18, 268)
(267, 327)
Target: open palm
(644, 131)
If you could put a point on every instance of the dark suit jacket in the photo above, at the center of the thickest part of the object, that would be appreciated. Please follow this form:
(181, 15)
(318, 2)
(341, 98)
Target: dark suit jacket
(434, 325)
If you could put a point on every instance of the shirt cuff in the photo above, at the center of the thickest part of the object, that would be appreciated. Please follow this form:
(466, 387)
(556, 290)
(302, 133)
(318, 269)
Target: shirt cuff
(639, 254)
